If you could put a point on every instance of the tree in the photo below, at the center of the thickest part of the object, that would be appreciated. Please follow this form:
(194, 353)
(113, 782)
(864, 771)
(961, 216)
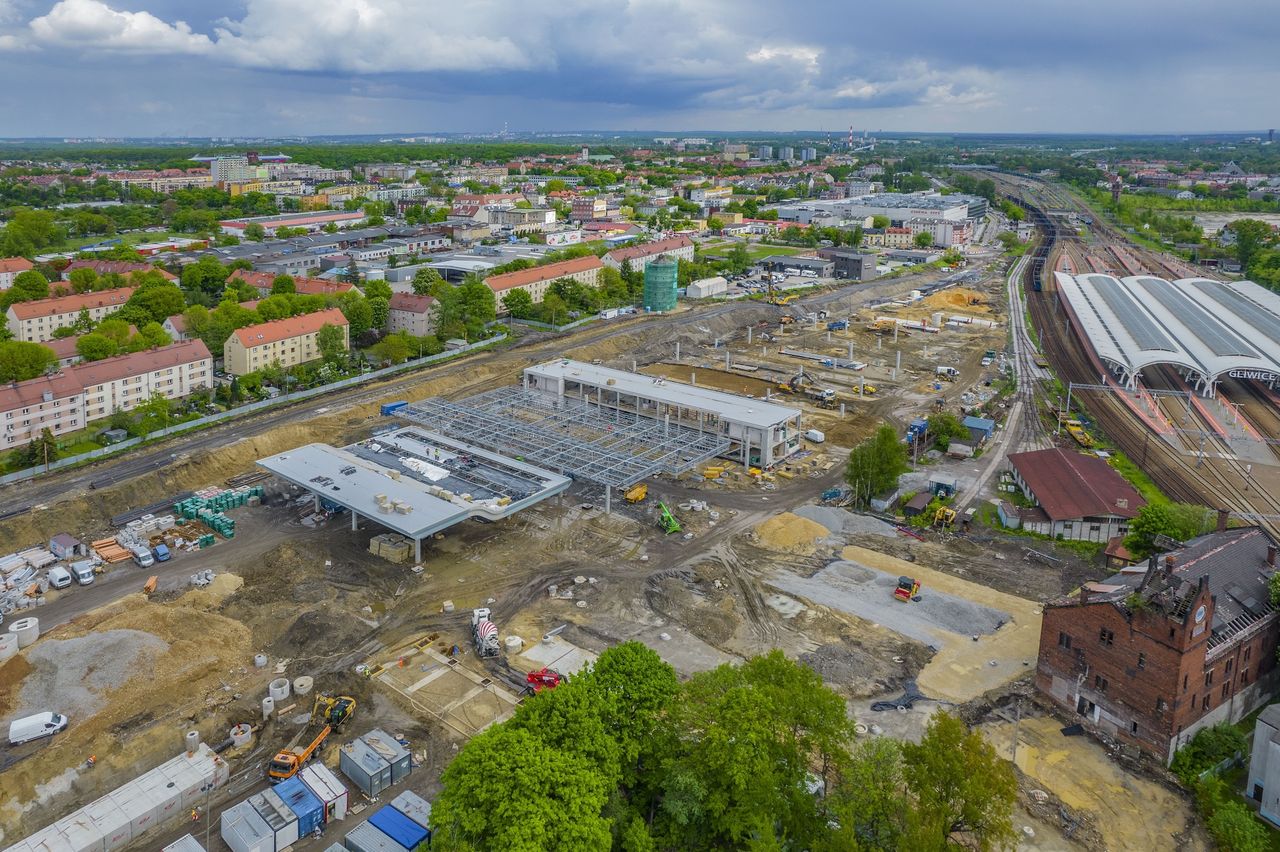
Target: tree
(961, 786)
(924, 239)
(352, 273)
(509, 790)
(376, 289)
(715, 223)
(946, 427)
(1236, 829)
(83, 280)
(115, 329)
(1252, 236)
(154, 302)
(331, 343)
(28, 231)
(152, 336)
(634, 686)
(875, 464)
(27, 286)
(855, 237)
(357, 311)
(42, 450)
(554, 309)
(1178, 521)
(379, 311)
(21, 360)
(283, 284)
(424, 280)
(879, 221)
(95, 347)
(154, 414)
(254, 232)
(206, 275)
(518, 303)
(394, 348)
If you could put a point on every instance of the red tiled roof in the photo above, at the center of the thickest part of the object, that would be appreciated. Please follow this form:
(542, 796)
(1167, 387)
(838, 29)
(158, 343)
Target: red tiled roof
(410, 303)
(283, 329)
(15, 264)
(647, 249)
(524, 277)
(119, 267)
(139, 363)
(178, 323)
(302, 286)
(31, 392)
(71, 304)
(1073, 485)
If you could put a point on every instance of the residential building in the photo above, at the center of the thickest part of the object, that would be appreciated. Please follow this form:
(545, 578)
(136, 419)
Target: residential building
(1160, 650)
(233, 169)
(764, 152)
(735, 151)
(705, 194)
(72, 399)
(897, 237)
(167, 181)
(680, 248)
(786, 152)
(37, 320)
(124, 382)
(411, 313)
(285, 342)
(263, 281)
(535, 281)
(269, 187)
(312, 222)
(10, 268)
(808, 154)
(1078, 497)
(586, 208)
(115, 267)
(944, 232)
(175, 326)
(523, 220)
(52, 402)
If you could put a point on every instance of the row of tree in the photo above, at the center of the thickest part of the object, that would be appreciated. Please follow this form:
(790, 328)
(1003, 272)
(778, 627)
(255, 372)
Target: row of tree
(758, 756)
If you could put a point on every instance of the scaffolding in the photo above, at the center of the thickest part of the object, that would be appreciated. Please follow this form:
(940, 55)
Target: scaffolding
(578, 437)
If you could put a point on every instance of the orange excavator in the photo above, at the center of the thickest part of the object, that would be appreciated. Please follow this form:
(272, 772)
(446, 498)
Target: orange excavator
(334, 711)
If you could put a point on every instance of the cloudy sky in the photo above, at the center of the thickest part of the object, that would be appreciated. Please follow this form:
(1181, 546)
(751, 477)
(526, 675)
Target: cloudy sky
(205, 67)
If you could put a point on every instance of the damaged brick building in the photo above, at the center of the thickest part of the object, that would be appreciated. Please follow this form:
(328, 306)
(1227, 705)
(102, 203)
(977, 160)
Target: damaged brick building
(1164, 648)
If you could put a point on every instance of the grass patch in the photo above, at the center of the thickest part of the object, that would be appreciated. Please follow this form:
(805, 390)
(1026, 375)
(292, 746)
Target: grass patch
(1139, 480)
(82, 446)
(763, 250)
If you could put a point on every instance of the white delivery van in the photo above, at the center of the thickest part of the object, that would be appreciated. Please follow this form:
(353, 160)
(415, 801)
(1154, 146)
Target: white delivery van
(35, 727)
(83, 571)
(143, 557)
(59, 577)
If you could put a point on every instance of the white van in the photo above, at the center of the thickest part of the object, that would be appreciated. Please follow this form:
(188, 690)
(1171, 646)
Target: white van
(143, 558)
(59, 577)
(83, 571)
(35, 727)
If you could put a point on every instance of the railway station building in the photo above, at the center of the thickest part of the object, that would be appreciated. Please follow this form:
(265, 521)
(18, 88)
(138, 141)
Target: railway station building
(1207, 330)
(1164, 648)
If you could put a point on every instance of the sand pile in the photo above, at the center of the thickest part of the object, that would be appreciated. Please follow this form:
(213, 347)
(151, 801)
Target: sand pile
(957, 298)
(790, 532)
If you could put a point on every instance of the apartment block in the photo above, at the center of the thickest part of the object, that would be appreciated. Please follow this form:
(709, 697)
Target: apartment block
(124, 382)
(52, 402)
(285, 342)
(639, 256)
(536, 280)
(411, 313)
(37, 320)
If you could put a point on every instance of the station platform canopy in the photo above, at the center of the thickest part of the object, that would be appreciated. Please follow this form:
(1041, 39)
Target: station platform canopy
(1206, 329)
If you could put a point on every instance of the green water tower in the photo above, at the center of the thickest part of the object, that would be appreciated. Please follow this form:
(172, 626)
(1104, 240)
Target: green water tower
(660, 280)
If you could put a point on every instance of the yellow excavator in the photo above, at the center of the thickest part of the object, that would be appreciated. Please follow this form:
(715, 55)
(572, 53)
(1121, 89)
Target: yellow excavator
(333, 711)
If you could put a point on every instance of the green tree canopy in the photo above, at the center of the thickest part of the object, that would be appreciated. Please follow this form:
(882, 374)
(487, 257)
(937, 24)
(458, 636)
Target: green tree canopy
(1179, 521)
(283, 284)
(424, 280)
(21, 360)
(924, 239)
(330, 342)
(1252, 236)
(376, 289)
(875, 464)
(519, 303)
(95, 346)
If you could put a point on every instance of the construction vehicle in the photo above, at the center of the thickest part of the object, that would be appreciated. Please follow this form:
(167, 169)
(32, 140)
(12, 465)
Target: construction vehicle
(289, 762)
(916, 431)
(637, 492)
(838, 325)
(783, 301)
(947, 374)
(333, 711)
(484, 632)
(1076, 430)
(543, 678)
(666, 520)
(944, 517)
(908, 588)
(802, 383)
(786, 319)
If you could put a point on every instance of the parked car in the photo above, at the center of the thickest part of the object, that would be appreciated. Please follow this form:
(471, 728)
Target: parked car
(83, 571)
(34, 727)
(59, 577)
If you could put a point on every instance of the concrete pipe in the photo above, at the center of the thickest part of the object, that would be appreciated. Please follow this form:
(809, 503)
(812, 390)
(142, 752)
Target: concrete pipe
(259, 661)
(514, 644)
(302, 685)
(278, 689)
(192, 740)
(8, 646)
(268, 707)
(26, 629)
(241, 735)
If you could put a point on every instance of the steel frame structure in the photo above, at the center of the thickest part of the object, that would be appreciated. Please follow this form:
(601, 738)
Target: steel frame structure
(577, 437)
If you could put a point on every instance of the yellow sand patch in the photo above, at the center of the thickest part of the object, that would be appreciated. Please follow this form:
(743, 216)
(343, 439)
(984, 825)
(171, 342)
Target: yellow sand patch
(791, 533)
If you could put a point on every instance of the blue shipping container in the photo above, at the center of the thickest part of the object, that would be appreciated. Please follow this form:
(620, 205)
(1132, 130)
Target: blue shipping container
(305, 805)
(399, 827)
(389, 408)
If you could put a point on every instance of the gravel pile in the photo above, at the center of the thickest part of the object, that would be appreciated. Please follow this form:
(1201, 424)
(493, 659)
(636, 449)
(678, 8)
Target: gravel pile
(840, 521)
(72, 676)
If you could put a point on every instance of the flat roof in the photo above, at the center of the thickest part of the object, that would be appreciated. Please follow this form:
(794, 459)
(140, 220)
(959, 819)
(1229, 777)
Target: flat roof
(440, 480)
(1208, 327)
(728, 406)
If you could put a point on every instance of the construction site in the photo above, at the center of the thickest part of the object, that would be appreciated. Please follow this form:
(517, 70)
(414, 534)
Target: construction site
(410, 567)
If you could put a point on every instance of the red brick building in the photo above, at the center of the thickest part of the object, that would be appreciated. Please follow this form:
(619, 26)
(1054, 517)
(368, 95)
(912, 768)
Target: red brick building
(1166, 647)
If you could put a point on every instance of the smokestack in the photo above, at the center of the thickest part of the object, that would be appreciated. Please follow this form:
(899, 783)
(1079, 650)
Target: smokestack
(1223, 514)
(1271, 555)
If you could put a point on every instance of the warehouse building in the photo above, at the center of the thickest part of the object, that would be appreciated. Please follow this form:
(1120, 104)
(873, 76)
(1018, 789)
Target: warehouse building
(850, 264)
(1078, 497)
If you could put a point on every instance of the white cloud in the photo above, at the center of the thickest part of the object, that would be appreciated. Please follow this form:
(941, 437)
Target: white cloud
(798, 54)
(94, 24)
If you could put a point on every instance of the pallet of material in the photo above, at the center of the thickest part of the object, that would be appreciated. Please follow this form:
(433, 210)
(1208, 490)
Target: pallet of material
(110, 551)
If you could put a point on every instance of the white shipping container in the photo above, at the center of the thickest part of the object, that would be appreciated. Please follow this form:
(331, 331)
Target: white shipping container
(86, 829)
(326, 787)
(278, 817)
(185, 843)
(244, 831)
